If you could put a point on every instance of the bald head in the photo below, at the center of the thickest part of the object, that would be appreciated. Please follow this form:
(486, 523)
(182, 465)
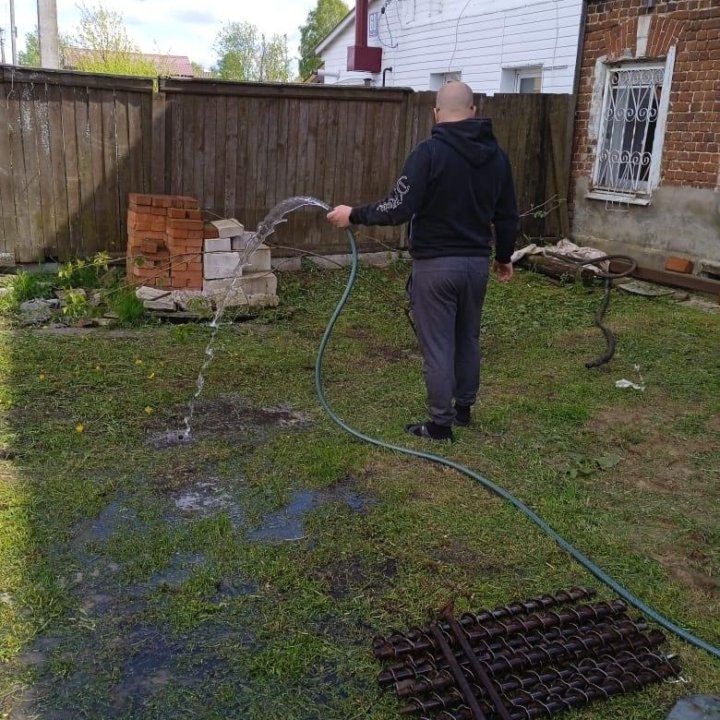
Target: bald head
(454, 102)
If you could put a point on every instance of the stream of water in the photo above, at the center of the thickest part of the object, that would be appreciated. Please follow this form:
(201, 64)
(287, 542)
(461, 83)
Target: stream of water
(265, 228)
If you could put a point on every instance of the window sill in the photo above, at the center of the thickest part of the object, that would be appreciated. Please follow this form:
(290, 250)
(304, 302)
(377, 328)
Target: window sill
(618, 197)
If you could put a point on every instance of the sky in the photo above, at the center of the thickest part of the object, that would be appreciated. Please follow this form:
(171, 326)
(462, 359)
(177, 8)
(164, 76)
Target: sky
(178, 27)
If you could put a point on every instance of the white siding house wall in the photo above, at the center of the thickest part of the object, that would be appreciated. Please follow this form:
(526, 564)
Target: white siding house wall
(487, 41)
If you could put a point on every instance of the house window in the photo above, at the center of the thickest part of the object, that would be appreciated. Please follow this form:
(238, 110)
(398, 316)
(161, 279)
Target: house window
(631, 128)
(437, 80)
(528, 80)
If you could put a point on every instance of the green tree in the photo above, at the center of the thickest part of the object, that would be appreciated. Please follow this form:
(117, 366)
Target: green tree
(102, 44)
(30, 57)
(318, 25)
(245, 54)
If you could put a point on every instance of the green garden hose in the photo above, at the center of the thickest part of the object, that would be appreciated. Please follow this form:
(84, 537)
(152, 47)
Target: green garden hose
(588, 564)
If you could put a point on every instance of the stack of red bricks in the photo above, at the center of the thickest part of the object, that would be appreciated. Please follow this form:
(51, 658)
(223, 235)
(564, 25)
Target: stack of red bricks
(165, 242)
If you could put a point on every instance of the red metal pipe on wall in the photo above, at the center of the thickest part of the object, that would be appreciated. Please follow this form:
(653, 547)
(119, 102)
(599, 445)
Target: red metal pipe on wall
(361, 57)
(361, 23)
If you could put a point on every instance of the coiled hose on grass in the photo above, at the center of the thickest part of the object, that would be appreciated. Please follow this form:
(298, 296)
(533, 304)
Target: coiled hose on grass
(607, 275)
(588, 564)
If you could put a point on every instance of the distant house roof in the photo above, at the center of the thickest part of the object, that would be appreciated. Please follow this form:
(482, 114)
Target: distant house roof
(178, 66)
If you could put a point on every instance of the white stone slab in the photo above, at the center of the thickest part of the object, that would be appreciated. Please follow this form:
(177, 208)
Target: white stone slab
(217, 245)
(259, 261)
(254, 289)
(191, 300)
(144, 292)
(228, 228)
(164, 303)
(220, 265)
(241, 240)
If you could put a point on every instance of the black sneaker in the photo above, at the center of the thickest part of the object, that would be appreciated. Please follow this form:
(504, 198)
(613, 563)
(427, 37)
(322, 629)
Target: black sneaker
(430, 430)
(462, 415)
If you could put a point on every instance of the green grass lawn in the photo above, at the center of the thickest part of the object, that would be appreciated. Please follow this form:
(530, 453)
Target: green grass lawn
(144, 582)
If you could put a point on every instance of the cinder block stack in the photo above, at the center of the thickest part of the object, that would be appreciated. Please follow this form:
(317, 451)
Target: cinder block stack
(165, 237)
(223, 253)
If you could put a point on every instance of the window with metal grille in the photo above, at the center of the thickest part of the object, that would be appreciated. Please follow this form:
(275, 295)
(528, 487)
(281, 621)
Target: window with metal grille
(629, 143)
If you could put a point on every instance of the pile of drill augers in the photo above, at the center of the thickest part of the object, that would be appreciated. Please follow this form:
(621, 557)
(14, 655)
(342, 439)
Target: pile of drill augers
(525, 660)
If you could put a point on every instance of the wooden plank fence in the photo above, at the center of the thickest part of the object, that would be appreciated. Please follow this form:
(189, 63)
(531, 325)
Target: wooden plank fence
(72, 145)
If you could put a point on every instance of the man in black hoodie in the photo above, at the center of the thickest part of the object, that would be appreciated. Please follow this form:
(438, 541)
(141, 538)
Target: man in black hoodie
(453, 190)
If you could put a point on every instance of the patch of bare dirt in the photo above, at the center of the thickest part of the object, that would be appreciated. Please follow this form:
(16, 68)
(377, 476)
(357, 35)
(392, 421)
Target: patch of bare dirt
(230, 417)
(341, 576)
(651, 458)
(344, 576)
(663, 464)
(374, 350)
(455, 553)
(686, 571)
(219, 413)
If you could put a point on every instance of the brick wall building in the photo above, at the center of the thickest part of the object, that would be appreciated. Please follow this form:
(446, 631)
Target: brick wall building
(646, 157)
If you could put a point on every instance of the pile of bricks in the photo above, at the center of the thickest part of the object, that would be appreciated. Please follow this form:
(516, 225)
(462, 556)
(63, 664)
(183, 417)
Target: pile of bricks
(173, 254)
(165, 242)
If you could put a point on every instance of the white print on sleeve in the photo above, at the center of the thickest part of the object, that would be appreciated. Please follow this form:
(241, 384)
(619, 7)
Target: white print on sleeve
(402, 188)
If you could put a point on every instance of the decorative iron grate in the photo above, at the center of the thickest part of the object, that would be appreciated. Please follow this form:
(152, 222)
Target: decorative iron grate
(627, 133)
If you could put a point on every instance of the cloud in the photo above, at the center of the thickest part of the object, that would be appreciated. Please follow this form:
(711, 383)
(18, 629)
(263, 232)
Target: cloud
(197, 17)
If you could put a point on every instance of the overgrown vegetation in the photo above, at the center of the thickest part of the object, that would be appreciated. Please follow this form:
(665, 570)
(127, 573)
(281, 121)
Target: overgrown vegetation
(28, 286)
(86, 289)
(246, 54)
(119, 598)
(101, 44)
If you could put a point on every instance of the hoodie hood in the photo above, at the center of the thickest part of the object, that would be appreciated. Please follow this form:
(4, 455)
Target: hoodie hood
(473, 139)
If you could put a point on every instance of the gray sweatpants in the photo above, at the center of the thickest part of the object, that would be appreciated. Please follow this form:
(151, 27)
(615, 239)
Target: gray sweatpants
(447, 296)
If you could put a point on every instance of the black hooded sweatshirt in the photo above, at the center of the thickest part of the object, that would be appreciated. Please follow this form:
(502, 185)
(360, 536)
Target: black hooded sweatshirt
(453, 188)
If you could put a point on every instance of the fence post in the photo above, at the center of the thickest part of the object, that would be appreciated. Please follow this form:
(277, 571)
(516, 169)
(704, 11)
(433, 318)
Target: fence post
(158, 169)
(560, 153)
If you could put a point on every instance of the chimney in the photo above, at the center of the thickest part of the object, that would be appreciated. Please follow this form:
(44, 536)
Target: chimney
(362, 58)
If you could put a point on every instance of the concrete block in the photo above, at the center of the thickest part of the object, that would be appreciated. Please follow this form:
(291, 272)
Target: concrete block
(259, 261)
(228, 228)
(220, 265)
(164, 303)
(241, 240)
(262, 283)
(192, 301)
(253, 289)
(331, 262)
(217, 245)
(374, 259)
(149, 293)
(711, 270)
(287, 264)
(213, 288)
